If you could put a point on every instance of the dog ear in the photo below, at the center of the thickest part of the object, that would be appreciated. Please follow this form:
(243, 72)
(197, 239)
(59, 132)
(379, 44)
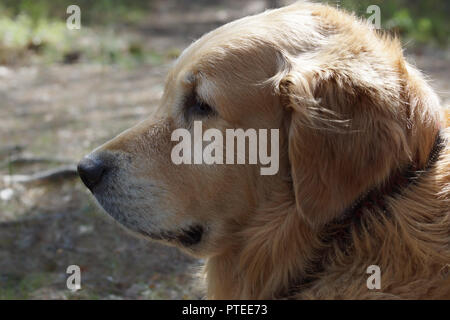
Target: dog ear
(343, 137)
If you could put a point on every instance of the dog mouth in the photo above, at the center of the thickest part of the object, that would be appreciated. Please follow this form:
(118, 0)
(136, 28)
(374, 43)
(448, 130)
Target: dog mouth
(112, 203)
(187, 237)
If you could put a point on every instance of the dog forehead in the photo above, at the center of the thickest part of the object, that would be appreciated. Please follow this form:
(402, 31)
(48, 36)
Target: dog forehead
(218, 45)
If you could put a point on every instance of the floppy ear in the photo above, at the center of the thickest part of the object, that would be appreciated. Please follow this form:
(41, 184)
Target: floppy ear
(344, 137)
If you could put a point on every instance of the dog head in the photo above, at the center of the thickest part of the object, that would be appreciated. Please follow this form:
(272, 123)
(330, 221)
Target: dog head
(347, 106)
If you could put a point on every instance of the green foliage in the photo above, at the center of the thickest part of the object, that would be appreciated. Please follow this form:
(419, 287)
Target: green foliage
(93, 11)
(423, 22)
(35, 29)
(13, 289)
(21, 35)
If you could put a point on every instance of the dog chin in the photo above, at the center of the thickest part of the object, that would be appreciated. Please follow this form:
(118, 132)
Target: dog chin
(187, 237)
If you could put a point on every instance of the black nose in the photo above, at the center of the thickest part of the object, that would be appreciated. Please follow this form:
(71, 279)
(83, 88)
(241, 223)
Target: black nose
(91, 171)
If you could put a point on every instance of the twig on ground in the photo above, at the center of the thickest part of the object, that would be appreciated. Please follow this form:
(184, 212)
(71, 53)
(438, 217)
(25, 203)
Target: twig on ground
(48, 176)
(23, 160)
(10, 150)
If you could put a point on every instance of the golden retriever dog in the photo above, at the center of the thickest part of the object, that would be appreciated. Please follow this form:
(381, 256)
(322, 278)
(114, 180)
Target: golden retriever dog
(364, 164)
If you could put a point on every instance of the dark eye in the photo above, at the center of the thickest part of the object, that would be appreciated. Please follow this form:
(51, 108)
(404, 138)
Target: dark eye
(201, 109)
(194, 109)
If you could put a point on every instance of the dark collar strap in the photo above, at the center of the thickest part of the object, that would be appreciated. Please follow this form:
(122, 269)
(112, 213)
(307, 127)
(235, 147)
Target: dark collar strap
(397, 182)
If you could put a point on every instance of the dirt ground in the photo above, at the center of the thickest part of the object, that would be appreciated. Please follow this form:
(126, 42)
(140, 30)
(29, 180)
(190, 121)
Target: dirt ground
(61, 112)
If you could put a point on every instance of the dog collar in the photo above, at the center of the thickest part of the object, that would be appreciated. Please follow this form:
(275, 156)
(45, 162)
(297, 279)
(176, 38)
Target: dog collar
(395, 185)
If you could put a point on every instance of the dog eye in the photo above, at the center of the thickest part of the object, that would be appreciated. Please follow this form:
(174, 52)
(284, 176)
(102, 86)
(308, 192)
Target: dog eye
(197, 109)
(201, 109)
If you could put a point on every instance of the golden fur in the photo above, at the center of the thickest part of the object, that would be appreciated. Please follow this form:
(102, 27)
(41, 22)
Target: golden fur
(350, 111)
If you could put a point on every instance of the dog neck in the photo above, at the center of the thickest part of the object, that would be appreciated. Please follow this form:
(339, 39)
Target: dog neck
(260, 260)
(280, 254)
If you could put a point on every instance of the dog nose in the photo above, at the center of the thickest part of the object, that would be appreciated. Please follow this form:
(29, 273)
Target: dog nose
(91, 171)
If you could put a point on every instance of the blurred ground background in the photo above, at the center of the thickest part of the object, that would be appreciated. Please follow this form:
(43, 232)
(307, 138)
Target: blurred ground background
(64, 92)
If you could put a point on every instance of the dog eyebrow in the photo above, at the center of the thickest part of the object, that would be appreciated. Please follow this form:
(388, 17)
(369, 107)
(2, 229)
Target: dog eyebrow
(195, 93)
(190, 81)
(190, 78)
(192, 95)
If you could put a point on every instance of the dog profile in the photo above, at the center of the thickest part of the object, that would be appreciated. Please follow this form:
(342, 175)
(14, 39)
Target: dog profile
(364, 163)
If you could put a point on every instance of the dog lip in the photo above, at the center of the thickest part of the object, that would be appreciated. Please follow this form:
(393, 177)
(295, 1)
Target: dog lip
(191, 236)
(187, 236)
